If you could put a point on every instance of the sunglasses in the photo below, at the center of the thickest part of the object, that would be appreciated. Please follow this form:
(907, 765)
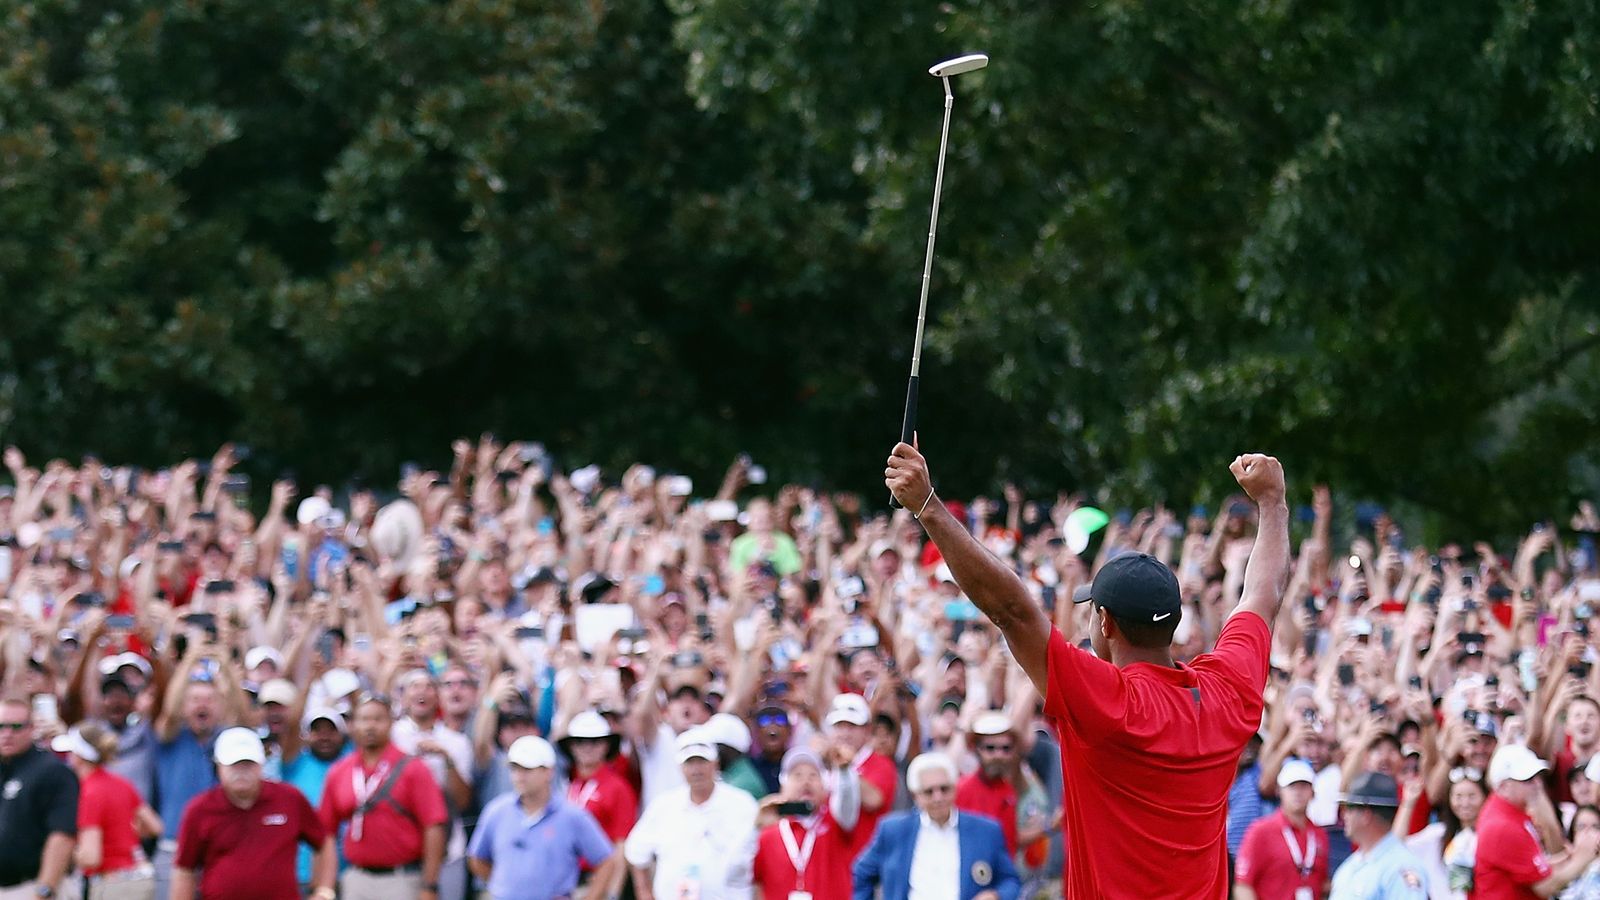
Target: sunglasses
(937, 789)
(771, 721)
(1465, 773)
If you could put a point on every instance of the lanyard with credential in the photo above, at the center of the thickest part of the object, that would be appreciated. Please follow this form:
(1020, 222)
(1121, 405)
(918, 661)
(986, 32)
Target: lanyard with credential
(799, 856)
(1302, 865)
(364, 789)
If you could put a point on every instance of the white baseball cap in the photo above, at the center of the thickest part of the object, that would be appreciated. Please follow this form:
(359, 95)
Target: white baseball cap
(111, 665)
(696, 744)
(729, 730)
(588, 725)
(531, 753)
(237, 745)
(259, 655)
(1514, 762)
(324, 713)
(278, 690)
(1295, 771)
(849, 708)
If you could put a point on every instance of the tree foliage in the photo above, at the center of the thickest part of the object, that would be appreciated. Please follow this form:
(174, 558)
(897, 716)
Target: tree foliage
(1360, 235)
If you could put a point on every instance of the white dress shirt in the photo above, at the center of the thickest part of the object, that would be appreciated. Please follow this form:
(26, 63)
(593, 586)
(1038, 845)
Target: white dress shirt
(936, 861)
(699, 850)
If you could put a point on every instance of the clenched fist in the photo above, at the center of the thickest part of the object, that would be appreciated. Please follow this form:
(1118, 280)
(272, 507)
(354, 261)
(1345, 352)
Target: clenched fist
(907, 478)
(1261, 476)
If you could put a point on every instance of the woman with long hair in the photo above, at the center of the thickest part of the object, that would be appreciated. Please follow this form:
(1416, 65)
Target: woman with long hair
(1447, 847)
(1585, 819)
(112, 819)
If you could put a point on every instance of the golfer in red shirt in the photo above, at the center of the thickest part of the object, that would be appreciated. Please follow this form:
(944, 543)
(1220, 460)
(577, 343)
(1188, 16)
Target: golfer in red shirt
(1149, 747)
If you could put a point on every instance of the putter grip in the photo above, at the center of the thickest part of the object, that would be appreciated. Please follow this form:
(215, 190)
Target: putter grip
(908, 425)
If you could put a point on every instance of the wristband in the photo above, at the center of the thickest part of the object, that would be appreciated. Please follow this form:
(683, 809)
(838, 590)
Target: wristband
(918, 514)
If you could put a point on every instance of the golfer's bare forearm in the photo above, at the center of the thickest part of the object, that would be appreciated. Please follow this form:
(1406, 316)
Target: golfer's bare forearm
(1266, 577)
(994, 589)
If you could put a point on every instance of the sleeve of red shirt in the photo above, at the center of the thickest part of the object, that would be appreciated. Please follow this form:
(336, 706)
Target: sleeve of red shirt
(191, 843)
(1516, 852)
(1242, 649)
(1084, 693)
(1244, 871)
(90, 799)
(311, 828)
(422, 795)
(879, 772)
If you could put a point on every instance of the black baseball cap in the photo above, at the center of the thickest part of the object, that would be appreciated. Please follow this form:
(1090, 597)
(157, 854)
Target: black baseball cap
(1134, 587)
(1372, 789)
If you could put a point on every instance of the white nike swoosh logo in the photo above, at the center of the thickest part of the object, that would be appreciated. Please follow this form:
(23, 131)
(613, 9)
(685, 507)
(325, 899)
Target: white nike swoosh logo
(1160, 617)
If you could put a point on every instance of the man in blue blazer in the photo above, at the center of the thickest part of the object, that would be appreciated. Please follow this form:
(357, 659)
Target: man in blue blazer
(936, 853)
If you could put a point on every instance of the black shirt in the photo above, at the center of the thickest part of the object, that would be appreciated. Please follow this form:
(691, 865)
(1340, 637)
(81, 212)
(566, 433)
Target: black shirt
(38, 798)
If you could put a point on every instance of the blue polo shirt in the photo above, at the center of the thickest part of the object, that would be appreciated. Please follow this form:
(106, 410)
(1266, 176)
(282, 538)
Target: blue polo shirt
(536, 858)
(183, 772)
(309, 774)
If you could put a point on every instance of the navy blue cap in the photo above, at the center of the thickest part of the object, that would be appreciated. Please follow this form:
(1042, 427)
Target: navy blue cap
(1134, 587)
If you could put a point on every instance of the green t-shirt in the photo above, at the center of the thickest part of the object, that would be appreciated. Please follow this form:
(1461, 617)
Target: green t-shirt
(743, 775)
(777, 547)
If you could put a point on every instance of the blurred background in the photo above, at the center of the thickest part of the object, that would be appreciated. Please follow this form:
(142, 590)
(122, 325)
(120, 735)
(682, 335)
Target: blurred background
(1360, 235)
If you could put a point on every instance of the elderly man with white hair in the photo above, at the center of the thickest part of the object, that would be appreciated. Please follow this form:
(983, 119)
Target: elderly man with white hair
(937, 851)
(808, 850)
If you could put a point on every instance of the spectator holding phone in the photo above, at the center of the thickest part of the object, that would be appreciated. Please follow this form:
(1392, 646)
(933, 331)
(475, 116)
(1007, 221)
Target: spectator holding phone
(808, 850)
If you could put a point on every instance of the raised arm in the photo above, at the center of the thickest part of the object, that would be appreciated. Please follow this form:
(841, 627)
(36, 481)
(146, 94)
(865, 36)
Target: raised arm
(1267, 575)
(983, 577)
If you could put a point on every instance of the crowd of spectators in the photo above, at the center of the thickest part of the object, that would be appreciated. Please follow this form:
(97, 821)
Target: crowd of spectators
(708, 694)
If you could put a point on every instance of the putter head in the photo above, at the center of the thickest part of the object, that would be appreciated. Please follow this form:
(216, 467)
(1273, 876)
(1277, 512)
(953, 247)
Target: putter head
(960, 65)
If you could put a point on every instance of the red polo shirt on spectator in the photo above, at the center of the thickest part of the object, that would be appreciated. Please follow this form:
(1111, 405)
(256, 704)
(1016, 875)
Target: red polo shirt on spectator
(1272, 868)
(1510, 860)
(609, 798)
(108, 802)
(782, 867)
(1149, 753)
(387, 838)
(247, 853)
(995, 799)
(880, 772)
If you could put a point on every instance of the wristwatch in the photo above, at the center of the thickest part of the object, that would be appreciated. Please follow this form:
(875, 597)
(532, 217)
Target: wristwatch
(44, 891)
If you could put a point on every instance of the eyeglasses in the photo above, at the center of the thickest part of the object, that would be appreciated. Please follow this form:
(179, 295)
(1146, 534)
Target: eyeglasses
(995, 748)
(936, 790)
(1465, 773)
(13, 726)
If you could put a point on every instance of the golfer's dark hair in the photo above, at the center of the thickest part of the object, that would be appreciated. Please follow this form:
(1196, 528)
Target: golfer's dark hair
(1149, 635)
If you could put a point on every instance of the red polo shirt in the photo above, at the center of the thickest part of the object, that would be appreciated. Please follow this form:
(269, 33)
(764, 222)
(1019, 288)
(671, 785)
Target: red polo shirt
(827, 870)
(247, 854)
(609, 798)
(388, 837)
(880, 772)
(995, 799)
(1510, 860)
(108, 802)
(1267, 863)
(1148, 755)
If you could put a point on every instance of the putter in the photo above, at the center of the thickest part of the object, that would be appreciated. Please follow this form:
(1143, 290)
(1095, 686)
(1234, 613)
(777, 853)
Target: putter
(942, 71)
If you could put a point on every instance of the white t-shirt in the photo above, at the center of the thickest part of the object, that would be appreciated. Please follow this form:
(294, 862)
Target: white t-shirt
(659, 771)
(1323, 810)
(703, 850)
(1428, 846)
(458, 747)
